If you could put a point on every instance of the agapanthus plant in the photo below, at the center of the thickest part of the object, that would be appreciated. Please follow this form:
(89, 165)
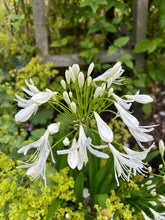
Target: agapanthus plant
(83, 99)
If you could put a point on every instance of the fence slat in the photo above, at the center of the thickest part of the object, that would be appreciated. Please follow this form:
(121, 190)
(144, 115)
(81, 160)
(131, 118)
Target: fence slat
(140, 9)
(40, 30)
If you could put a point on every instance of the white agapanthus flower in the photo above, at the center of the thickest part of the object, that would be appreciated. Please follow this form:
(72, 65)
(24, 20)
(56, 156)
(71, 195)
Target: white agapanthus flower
(122, 102)
(157, 215)
(139, 132)
(30, 106)
(143, 99)
(38, 159)
(77, 154)
(145, 216)
(124, 164)
(113, 73)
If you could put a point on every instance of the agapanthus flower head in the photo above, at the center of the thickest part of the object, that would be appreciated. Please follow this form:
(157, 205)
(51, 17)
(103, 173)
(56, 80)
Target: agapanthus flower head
(30, 106)
(37, 163)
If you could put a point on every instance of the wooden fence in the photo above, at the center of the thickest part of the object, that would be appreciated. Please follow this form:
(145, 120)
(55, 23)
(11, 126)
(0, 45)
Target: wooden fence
(140, 8)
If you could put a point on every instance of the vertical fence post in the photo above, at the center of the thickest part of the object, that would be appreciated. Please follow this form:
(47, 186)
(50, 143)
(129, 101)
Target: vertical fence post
(140, 9)
(40, 30)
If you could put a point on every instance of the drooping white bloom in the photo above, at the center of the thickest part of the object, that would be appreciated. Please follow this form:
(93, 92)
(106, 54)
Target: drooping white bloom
(122, 102)
(139, 132)
(114, 73)
(161, 148)
(90, 69)
(144, 99)
(66, 97)
(80, 80)
(145, 216)
(30, 106)
(138, 157)
(162, 200)
(127, 118)
(77, 154)
(105, 132)
(125, 164)
(38, 159)
(157, 216)
(73, 107)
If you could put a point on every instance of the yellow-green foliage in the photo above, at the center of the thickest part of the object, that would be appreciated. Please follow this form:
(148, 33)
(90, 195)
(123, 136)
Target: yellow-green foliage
(40, 73)
(120, 131)
(114, 206)
(21, 199)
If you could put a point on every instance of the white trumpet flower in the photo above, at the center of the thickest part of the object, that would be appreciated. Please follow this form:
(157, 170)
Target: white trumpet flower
(145, 216)
(133, 125)
(30, 106)
(143, 99)
(122, 102)
(157, 216)
(77, 154)
(114, 73)
(38, 159)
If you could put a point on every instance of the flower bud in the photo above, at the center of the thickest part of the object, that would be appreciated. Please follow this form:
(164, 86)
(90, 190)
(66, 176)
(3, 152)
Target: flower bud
(153, 203)
(70, 94)
(149, 169)
(110, 92)
(73, 107)
(103, 89)
(148, 182)
(66, 97)
(86, 193)
(151, 186)
(160, 166)
(72, 74)
(81, 80)
(67, 76)
(63, 83)
(89, 80)
(53, 128)
(66, 141)
(98, 92)
(161, 148)
(109, 82)
(90, 69)
(76, 69)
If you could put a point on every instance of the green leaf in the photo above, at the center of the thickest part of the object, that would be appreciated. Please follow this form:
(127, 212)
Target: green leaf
(29, 48)
(152, 155)
(79, 186)
(142, 46)
(53, 207)
(152, 46)
(94, 28)
(121, 41)
(101, 199)
(42, 117)
(111, 50)
(60, 42)
(147, 109)
(139, 83)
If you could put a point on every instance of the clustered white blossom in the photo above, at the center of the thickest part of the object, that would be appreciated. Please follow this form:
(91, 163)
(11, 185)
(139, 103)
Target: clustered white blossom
(83, 99)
